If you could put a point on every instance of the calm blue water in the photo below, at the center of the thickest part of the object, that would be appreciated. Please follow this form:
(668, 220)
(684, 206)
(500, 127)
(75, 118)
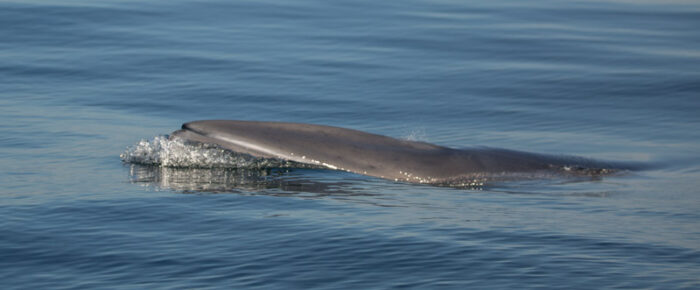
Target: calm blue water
(615, 80)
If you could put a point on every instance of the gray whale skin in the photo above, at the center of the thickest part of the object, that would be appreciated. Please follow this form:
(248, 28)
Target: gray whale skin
(381, 156)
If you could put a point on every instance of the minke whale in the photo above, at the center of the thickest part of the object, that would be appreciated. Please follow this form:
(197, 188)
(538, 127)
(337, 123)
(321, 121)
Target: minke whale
(381, 156)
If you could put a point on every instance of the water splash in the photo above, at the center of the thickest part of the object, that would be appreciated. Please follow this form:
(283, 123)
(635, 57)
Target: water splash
(416, 134)
(165, 152)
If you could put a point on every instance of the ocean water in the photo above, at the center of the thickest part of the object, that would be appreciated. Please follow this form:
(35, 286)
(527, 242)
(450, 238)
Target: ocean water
(82, 81)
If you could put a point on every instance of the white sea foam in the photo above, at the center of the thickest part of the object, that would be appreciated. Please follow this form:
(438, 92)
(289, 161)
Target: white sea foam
(162, 151)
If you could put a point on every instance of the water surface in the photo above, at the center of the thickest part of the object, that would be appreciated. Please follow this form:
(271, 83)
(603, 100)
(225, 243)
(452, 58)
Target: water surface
(80, 81)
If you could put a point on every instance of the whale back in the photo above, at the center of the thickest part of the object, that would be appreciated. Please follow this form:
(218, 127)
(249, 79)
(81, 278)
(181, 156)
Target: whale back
(367, 153)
